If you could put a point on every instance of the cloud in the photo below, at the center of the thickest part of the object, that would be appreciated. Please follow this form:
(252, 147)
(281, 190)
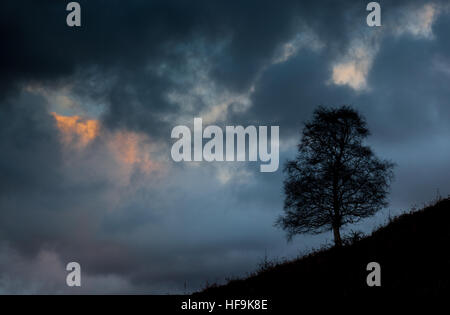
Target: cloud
(417, 21)
(131, 150)
(354, 68)
(71, 127)
(46, 272)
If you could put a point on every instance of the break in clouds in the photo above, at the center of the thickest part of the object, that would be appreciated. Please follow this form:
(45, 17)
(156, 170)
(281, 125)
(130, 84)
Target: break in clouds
(86, 116)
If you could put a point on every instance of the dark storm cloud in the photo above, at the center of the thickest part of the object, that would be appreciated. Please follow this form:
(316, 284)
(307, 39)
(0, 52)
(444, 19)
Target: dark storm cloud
(29, 145)
(288, 92)
(410, 99)
(40, 46)
(406, 87)
(128, 40)
(37, 196)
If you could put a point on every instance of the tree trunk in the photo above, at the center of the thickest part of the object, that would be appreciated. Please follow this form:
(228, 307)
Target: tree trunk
(336, 223)
(337, 237)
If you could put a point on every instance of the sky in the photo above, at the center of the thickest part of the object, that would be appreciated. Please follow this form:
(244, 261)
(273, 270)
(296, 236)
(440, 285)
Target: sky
(86, 115)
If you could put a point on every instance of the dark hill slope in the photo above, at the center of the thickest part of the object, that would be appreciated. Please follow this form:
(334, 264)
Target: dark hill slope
(413, 251)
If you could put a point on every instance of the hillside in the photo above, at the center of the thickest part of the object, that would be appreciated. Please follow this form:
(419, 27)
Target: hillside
(413, 251)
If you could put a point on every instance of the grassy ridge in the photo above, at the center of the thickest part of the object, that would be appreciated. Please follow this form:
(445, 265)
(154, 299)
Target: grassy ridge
(413, 251)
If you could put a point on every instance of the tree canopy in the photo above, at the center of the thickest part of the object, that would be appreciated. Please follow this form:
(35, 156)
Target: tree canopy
(335, 179)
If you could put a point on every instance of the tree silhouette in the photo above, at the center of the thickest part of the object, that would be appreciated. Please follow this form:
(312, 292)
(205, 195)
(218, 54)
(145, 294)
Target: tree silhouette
(335, 179)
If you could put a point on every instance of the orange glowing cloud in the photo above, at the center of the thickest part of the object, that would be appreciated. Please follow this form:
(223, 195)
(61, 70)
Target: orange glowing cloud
(129, 149)
(76, 130)
(132, 149)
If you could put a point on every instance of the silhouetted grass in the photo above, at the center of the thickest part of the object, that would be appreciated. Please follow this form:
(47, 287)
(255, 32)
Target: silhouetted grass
(412, 249)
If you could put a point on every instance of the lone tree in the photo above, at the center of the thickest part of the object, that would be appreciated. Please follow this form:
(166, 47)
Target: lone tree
(335, 179)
